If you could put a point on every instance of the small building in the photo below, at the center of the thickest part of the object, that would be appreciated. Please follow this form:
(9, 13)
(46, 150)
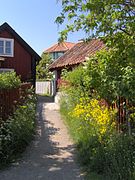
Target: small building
(17, 55)
(75, 56)
(58, 49)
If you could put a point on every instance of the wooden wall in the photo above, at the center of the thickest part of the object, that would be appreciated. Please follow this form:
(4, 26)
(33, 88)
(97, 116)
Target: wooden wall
(22, 60)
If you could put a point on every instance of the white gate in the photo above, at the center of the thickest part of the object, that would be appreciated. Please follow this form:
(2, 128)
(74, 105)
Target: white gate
(44, 87)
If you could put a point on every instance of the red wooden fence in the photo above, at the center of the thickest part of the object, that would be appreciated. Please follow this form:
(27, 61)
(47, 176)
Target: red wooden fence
(124, 112)
(9, 99)
(122, 107)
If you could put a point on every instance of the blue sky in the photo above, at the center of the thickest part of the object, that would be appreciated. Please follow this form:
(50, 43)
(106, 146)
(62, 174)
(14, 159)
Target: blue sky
(34, 20)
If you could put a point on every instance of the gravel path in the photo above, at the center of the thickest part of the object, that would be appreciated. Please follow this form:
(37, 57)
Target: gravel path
(51, 154)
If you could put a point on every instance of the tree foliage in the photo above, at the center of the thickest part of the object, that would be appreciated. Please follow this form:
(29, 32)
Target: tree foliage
(42, 68)
(98, 17)
(111, 71)
(108, 75)
(113, 75)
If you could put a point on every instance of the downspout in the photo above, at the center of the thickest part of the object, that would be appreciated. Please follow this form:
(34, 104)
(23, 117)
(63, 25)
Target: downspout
(33, 72)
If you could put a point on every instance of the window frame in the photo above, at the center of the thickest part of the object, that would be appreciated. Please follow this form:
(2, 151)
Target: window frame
(12, 47)
(57, 54)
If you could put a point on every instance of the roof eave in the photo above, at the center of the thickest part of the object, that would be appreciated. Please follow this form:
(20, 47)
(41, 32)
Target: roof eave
(6, 26)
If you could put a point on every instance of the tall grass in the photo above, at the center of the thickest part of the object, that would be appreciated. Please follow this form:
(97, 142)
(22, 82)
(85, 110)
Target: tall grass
(110, 158)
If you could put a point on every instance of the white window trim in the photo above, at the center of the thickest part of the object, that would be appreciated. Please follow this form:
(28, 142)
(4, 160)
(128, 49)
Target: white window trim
(12, 47)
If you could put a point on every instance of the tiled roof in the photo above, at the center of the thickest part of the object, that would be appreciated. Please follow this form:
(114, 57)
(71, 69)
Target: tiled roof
(64, 46)
(78, 53)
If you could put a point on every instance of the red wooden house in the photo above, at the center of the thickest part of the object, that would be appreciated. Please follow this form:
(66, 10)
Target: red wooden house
(75, 56)
(16, 54)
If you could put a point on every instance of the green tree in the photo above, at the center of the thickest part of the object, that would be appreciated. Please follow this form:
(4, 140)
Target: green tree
(112, 71)
(110, 74)
(98, 17)
(113, 22)
(42, 70)
(113, 76)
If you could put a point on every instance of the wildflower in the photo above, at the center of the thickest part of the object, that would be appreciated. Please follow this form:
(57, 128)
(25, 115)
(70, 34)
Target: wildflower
(97, 116)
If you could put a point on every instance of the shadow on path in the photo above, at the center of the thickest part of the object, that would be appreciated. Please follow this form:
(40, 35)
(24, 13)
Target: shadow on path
(46, 99)
(51, 154)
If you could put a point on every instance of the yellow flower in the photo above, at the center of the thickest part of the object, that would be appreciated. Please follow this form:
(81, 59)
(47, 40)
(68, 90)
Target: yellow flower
(98, 117)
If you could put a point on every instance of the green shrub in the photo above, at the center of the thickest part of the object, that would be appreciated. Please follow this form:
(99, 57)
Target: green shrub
(111, 155)
(101, 149)
(114, 159)
(9, 80)
(17, 131)
(120, 157)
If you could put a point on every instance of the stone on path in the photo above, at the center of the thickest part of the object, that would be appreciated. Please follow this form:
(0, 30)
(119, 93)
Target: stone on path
(51, 155)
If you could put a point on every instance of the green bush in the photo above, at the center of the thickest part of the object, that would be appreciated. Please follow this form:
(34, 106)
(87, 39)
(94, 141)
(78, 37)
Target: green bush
(120, 157)
(9, 80)
(114, 159)
(111, 154)
(17, 131)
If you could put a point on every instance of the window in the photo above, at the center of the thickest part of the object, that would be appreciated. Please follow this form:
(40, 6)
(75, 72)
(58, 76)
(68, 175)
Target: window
(56, 55)
(6, 47)
(60, 54)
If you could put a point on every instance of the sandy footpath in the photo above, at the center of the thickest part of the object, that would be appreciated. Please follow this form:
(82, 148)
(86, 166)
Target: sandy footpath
(51, 154)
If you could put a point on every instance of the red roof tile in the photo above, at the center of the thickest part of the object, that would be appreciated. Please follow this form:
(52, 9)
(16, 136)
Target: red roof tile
(77, 54)
(64, 46)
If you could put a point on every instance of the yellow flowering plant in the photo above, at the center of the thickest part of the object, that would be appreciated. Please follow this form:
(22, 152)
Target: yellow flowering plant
(98, 118)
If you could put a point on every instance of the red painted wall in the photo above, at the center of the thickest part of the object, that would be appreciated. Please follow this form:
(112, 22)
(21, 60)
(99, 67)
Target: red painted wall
(21, 62)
